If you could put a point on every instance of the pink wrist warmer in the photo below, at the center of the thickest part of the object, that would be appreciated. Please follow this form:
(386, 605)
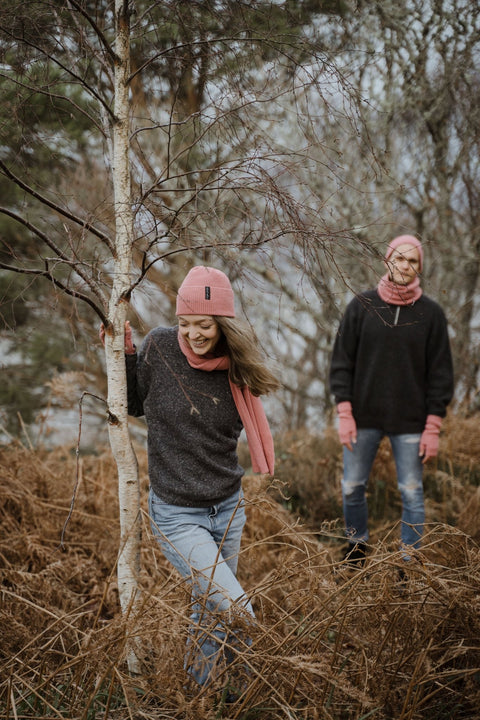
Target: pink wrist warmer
(347, 427)
(429, 439)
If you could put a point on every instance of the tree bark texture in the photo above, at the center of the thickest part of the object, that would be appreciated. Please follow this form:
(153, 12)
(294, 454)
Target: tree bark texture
(128, 484)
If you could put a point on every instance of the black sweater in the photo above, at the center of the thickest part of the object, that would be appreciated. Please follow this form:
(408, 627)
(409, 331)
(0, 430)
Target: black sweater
(193, 423)
(393, 363)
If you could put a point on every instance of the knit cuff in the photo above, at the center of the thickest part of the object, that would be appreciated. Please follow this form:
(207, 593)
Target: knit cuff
(433, 422)
(345, 409)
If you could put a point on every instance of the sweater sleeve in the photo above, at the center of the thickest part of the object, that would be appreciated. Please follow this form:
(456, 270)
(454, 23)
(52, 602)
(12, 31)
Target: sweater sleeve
(342, 366)
(439, 381)
(135, 400)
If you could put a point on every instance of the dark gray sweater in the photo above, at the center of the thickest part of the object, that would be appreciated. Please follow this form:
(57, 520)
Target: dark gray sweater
(393, 363)
(193, 424)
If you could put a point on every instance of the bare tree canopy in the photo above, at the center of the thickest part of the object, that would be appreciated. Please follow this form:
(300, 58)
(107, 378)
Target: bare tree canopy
(286, 143)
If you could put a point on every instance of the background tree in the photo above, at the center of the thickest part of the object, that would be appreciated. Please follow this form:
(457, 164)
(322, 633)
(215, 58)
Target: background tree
(191, 200)
(304, 134)
(415, 66)
(205, 178)
(285, 143)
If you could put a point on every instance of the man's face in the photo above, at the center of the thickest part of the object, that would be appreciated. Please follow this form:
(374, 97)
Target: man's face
(404, 264)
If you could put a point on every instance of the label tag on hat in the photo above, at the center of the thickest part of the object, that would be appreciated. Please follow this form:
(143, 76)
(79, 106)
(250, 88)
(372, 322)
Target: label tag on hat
(207, 292)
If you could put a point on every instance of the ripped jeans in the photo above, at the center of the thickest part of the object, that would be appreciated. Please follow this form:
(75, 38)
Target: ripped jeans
(357, 465)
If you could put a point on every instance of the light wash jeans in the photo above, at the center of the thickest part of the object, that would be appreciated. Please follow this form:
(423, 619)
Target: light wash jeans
(203, 545)
(356, 470)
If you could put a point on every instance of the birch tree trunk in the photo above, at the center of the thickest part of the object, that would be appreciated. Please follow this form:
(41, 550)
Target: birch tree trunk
(128, 484)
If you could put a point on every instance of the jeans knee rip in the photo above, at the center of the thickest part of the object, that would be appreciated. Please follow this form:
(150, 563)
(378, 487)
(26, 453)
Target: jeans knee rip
(350, 487)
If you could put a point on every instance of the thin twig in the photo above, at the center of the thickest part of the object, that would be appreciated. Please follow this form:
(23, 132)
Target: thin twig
(77, 464)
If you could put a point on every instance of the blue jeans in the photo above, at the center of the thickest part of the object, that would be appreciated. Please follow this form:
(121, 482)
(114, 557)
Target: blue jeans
(203, 545)
(357, 465)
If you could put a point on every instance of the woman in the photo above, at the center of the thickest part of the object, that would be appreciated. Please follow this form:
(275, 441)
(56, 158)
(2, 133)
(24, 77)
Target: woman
(198, 385)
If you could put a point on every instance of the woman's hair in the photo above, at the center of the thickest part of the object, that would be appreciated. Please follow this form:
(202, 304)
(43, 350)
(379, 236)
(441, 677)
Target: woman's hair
(247, 363)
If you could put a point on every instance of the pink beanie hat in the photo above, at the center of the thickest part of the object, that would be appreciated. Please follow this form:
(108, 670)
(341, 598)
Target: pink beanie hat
(405, 240)
(205, 291)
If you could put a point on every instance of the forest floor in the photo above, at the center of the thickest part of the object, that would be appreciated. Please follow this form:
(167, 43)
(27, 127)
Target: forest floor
(388, 641)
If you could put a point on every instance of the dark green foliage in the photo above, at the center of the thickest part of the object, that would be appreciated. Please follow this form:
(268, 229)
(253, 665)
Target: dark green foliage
(33, 357)
(57, 100)
(186, 44)
(14, 310)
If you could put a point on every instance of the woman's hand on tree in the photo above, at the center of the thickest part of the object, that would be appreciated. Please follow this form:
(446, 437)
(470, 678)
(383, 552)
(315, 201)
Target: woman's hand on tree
(130, 348)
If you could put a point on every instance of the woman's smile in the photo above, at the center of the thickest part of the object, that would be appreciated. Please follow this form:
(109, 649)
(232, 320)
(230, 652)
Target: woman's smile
(201, 332)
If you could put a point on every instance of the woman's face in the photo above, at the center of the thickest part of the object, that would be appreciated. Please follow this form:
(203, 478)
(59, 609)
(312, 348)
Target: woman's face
(201, 332)
(404, 264)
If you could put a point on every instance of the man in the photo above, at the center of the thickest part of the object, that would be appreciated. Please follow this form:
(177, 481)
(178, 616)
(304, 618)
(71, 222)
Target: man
(391, 374)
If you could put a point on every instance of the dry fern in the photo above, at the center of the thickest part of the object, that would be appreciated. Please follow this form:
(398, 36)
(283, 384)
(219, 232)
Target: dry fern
(327, 643)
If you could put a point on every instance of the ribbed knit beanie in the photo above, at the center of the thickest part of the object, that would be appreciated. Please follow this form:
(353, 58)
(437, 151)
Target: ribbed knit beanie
(405, 240)
(205, 291)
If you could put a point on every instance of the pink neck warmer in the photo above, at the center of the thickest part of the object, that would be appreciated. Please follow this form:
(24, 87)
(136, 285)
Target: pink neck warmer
(250, 409)
(395, 294)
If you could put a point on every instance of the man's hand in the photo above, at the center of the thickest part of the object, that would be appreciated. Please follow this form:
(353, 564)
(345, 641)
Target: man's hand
(429, 439)
(347, 427)
(130, 348)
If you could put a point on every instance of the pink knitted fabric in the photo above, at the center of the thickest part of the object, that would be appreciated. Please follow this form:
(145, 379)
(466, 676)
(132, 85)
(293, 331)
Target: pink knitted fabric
(395, 294)
(405, 240)
(205, 291)
(429, 440)
(347, 427)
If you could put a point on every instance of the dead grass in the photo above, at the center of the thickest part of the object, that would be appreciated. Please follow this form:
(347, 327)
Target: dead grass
(328, 643)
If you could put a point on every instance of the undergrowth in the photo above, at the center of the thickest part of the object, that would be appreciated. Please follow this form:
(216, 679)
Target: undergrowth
(389, 641)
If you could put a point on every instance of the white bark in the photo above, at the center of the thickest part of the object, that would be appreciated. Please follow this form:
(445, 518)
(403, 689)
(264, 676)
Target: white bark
(128, 484)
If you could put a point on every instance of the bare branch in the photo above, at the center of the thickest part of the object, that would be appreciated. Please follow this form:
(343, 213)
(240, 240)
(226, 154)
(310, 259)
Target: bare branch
(77, 464)
(66, 213)
(58, 283)
(55, 96)
(81, 81)
(88, 17)
(75, 264)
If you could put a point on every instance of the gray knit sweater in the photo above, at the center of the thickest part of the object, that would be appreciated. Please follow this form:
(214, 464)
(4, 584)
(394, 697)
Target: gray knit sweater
(193, 424)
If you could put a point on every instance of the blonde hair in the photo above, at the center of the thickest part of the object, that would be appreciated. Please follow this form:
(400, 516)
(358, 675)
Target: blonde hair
(247, 363)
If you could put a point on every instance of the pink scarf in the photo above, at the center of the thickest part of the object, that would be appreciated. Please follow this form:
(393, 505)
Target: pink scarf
(395, 294)
(250, 409)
